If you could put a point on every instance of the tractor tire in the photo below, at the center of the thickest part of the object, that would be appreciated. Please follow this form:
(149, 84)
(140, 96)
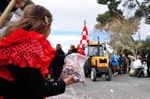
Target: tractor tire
(93, 74)
(108, 75)
(87, 67)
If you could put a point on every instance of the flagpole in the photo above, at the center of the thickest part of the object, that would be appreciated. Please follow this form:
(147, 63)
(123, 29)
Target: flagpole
(84, 22)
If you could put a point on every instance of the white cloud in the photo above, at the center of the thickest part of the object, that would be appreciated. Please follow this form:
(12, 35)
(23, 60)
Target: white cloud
(70, 14)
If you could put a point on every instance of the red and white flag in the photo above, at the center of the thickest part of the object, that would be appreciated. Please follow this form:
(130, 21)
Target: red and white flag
(84, 40)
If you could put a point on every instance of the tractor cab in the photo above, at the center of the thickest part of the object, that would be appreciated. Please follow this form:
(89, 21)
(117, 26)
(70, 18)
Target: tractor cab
(95, 49)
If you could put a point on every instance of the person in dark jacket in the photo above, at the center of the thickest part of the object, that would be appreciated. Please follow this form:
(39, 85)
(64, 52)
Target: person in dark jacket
(25, 55)
(148, 64)
(124, 63)
(57, 65)
(72, 49)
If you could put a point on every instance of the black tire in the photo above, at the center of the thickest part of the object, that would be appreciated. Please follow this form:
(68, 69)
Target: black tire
(108, 75)
(87, 67)
(93, 74)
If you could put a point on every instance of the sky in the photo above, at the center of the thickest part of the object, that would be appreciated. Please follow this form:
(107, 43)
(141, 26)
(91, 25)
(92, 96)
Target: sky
(69, 16)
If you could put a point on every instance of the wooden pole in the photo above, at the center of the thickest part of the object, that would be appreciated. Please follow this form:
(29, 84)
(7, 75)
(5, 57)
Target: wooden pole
(6, 13)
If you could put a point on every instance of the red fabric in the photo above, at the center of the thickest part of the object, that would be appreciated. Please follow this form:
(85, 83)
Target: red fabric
(25, 49)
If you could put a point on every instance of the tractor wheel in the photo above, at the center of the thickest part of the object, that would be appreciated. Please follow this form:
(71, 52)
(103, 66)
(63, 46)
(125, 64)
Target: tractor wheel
(108, 75)
(87, 67)
(93, 74)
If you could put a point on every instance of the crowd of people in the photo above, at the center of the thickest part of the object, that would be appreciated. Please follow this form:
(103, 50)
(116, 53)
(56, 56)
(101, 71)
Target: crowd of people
(121, 64)
(27, 58)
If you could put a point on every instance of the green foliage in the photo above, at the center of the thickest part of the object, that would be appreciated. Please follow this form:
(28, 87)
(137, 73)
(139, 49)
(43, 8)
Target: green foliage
(148, 8)
(113, 11)
(127, 52)
(139, 13)
(124, 51)
(104, 17)
(102, 1)
(113, 6)
(142, 11)
(143, 7)
(145, 46)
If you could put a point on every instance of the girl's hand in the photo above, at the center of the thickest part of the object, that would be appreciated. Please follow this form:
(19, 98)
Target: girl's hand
(70, 80)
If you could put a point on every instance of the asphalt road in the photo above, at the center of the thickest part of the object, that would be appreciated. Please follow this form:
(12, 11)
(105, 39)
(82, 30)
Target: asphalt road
(123, 87)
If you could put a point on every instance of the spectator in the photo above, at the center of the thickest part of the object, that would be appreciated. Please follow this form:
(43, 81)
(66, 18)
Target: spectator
(57, 65)
(130, 62)
(124, 64)
(148, 64)
(136, 66)
(72, 49)
(25, 57)
(137, 63)
(115, 58)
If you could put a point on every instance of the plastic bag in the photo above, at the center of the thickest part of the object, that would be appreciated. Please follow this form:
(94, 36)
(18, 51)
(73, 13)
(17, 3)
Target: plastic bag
(74, 66)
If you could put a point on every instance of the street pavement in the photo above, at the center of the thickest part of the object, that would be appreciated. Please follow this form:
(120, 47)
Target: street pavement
(122, 87)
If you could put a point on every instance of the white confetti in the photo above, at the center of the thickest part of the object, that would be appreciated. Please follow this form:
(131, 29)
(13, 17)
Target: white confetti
(111, 90)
